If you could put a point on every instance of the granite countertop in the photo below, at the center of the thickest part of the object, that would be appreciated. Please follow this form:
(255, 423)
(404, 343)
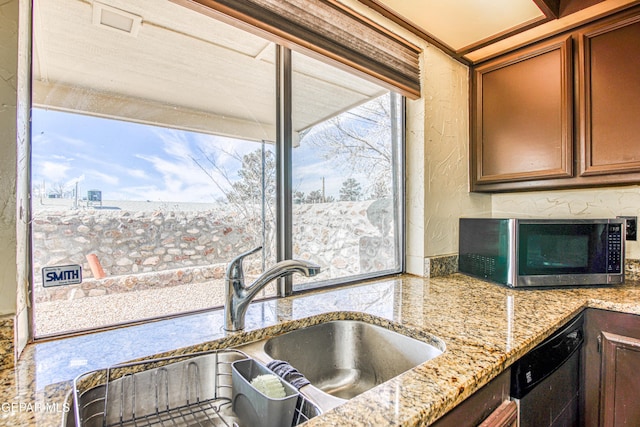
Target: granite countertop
(485, 327)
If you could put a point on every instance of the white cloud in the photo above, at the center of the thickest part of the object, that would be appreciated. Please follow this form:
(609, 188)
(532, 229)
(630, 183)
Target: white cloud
(53, 171)
(180, 179)
(175, 143)
(71, 182)
(137, 173)
(75, 142)
(105, 178)
(226, 152)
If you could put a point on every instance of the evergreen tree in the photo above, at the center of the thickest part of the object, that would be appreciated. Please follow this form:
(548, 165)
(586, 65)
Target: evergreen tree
(314, 197)
(298, 197)
(351, 190)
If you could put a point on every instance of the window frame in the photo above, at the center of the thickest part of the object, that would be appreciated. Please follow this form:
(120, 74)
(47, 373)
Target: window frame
(284, 181)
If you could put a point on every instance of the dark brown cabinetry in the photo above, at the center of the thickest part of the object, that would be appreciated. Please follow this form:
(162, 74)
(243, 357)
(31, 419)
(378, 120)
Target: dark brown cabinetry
(523, 106)
(562, 113)
(610, 97)
(611, 369)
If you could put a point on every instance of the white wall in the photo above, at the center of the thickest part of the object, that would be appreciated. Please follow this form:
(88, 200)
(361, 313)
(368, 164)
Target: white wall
(438, 161)
(447, 197)
(14, 162)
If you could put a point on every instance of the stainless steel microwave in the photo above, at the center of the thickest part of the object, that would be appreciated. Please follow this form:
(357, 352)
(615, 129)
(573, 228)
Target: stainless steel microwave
(543, 252)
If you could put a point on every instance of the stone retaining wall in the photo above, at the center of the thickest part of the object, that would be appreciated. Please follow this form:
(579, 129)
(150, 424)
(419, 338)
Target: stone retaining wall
(140, 250)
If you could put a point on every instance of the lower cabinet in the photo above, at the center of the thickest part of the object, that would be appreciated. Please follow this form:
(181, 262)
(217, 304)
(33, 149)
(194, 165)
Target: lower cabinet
(611, 369)
(490, 403)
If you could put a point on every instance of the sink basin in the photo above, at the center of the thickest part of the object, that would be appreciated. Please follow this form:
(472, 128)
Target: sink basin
(347, 357)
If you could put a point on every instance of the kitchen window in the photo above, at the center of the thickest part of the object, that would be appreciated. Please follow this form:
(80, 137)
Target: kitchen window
(155, 145)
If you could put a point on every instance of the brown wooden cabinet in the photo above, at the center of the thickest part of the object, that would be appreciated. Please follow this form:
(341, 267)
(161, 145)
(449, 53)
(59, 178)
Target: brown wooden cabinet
(611, 369)
(562, 113)
(524, 115)
(609, 93)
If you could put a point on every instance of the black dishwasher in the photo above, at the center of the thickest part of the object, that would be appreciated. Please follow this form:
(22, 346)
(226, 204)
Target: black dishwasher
(546, 381)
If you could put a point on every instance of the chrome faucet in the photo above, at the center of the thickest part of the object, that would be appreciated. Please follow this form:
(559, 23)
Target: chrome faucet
(238, 295)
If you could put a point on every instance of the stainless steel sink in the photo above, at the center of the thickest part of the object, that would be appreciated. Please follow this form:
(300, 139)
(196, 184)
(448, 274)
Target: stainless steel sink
(346, 357)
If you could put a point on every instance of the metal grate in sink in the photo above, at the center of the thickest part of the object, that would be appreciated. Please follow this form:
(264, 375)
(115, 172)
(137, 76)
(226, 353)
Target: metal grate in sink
(188, 390)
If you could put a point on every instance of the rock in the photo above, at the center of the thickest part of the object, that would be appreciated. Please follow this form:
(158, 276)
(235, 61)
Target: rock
(154, 260)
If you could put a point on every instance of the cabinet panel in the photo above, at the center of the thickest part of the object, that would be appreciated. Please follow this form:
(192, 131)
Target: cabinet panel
(610, 97)
(619, 383)
(611, 360)
(523, 115)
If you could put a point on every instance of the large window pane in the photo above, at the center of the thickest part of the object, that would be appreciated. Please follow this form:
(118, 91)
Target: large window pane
(346, 214)
(153, 159)
(153, 163)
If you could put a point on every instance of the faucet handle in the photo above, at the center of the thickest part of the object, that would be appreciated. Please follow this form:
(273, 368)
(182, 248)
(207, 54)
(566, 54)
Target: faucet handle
(234, 269)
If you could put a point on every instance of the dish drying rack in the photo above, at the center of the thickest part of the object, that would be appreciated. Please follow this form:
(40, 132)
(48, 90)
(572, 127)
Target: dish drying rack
(186, 390)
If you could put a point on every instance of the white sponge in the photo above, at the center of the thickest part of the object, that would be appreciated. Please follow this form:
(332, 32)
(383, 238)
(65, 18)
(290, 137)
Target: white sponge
(269, 385)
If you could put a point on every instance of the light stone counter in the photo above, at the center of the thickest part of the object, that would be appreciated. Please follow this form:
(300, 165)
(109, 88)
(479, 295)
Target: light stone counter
(485, 327)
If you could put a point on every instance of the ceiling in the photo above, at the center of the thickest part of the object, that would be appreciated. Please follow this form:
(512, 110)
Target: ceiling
(463, 23)
(156, 62)
(475, 30)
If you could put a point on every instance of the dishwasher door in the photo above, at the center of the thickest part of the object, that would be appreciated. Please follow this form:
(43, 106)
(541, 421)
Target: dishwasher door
(546, 381)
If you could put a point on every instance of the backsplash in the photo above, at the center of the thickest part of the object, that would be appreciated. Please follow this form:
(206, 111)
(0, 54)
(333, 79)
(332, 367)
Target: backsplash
(632, 269)
(448, 264)
(440, 265)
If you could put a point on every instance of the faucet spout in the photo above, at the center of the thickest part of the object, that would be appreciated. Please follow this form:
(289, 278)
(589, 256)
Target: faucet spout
(238, 296)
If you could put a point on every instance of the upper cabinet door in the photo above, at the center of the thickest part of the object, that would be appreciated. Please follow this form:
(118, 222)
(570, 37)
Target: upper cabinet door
(609, 93)
(523, 115)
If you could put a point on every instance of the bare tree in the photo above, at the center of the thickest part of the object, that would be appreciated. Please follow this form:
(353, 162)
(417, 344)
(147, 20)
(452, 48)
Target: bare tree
(58, 190)
(360, 141)
(252, 195)
(256, 185)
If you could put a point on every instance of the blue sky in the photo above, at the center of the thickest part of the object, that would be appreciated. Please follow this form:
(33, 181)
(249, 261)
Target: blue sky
(129, 161)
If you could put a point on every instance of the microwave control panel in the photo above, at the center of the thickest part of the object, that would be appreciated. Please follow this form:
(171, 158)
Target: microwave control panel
(615, 248)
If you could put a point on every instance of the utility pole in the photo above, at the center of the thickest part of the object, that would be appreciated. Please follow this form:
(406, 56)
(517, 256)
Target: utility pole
(324, 199)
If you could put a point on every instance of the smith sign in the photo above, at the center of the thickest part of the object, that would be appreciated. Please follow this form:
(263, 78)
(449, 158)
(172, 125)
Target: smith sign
(61, 275)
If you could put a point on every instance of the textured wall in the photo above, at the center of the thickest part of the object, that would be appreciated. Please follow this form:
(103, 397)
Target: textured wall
(587, 203)
(415, 170)
(8, 138)
(23, 158)
(446, 180)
